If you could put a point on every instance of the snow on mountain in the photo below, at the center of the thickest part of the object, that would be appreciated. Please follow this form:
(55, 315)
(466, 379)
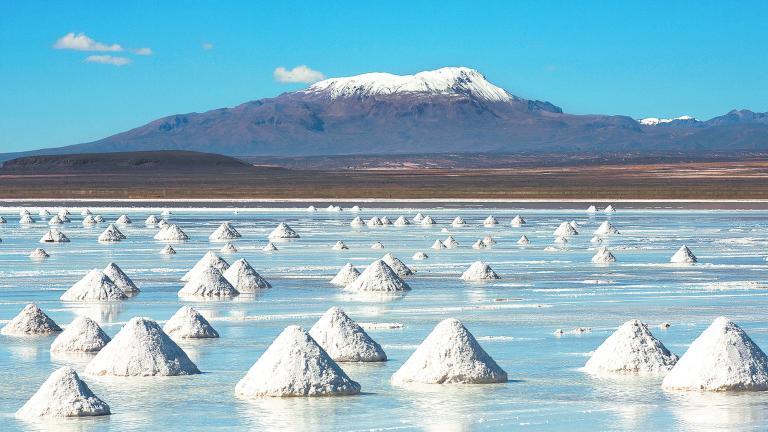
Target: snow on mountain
(444, 81)
(653, 121)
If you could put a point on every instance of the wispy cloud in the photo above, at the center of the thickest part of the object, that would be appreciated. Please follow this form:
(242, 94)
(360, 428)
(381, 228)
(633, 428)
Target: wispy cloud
(108, 59)
(142, 51)
(81, 42)
(299, 74)
(207, 46)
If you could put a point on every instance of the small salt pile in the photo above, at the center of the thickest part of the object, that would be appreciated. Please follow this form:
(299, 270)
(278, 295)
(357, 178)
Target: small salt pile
(683, 256)
(479, 271)
(609, 209)
(355, 209)
(374, 222)
(523, 241)
(162, 223)
(82, 335)
(340, 245)
(208, 283)
(111, 234)
(55, 220)
(244, 277)
(378, 277)
(141, 348)
(43, 213)
(419, 256)
(344, 340)
(85, 212)
(488, 241)
(603, 256)
(561, 240)
(565, 229)
(450, 243)
(490, 221)
(295, 365)
(152, 220)
(210, 259)
(31, 321)
(2, 220)
(283, 231)
(26, 219)
(63, 395)
(478, 245)
(121, 280)
(722, 358)
(606, 228)
(171, 233)
(168, 250)
(449, 355)
(23, 212)
(631, 349)
(357, 222)
(377, 245)
(333, 208)
(97, 218)
(398, 266)
(187, 323)
(224, 232)
(418, 218)
(39, 253)
(124, 220)
(517, 221)
(385, 221)
(427, 221)
(89, 221)
(402, 221)
(166, 213)
(228, 248)
(346, 275)
(94, 286)
(458, 222)
(574, 224)
(269, 248)
(437, 245)
(311, 208)
(591, 209)
(596, 240)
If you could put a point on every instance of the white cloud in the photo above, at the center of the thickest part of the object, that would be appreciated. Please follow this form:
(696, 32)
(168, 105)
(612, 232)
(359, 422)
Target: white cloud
(81, 42)
(299, 74)
(207, 46)
(108, 59)
(143, 51)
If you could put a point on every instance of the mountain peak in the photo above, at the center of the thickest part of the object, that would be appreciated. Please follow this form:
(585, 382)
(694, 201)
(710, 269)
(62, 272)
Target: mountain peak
(447, 81)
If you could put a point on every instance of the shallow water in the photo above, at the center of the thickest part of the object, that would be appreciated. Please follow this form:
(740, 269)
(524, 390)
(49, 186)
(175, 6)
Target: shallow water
(513, 318)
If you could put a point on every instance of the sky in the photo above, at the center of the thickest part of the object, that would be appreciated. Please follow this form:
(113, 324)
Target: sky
(77, 71)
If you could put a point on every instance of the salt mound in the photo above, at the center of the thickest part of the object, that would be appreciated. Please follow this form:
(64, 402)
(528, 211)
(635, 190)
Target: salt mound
(418, 218)
(118, 276)
(488, 241)
(449, 355)
(111, 234)
(427, 221)
(228, 248)
(606, 228)
(479, 271)
(64, 212)
(98, 218)
(94, 286)
(344, 340)
(39, 253)
(89, 221)
(44, 213)
(609, 209)
(420, 256)
(26, 219)
(631, 349)
(355, 209)
(55, 220)
(82, 335)
(168, 250)
(450, 243)
(517, 221)
(478, 245)
(85, 212)
(561, 240)
(152, 220)
(458, 222)
(523, 241)
(565, 229)
(209, 282)
(166, 212)
(2, 220)
(23, 212)
(171, 233)
(722, 358)
(187, 323)
(357, 222)
(63, 394)
(592, 209)
(378, 277)
(124, 220)
(603, 256)
(596, 240)
(295, 365)
(402, 221)
(377, 245)
(269, 247)
(283, 231)
(224, 232)
(311, 208)
(333, 208)
(683, 256)
(210, 259)
(490, 221)
(437, 245)
(374, 221)
(31, 321)
(340, 245)
(398, 266)
(162, 223)
(244, 277)
(385, 221)
(141, 348)
(574, 224)
(346, 275)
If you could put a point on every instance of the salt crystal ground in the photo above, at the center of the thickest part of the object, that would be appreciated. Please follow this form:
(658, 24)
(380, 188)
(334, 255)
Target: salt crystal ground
(513, 318)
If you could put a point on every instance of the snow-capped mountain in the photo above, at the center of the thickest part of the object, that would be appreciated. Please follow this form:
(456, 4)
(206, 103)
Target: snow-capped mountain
(653, 121)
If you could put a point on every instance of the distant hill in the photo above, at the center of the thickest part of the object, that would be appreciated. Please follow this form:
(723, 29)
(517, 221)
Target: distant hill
(449, 110)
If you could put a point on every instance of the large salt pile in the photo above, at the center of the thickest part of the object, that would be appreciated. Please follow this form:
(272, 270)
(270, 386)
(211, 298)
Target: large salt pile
(82, 335)
(606, 228)
(31, 321)
(517, 221)
(168, 250)
(269, 247)
(374, 221)
(344, 340)
(39, 253)
(378, 277)
(55, 220)
(224, 232)
(402, 221)
(141, 348)
(171, 233)
(683, 256)
(479, 271)
(418, 218)
(94, 286)
(458, 221)
(591, 209)
(124, 220)
(565, 229)
(340, 245)
(357, 222)
(26, 219)
(208, 283)
(283, 231)
(603, 256)
(427, 221)
(228, 248)
(210, 259)
(397, 265)
(111, 234)
(419, 256)
(523, 241)
(62, 395)
(450, 243)
(631, 349)
(450, 355)
(437, 245)
(346, 275)
(295, 365)
(490, 221)
(722, 358)
(89, 221)
(118, 276)
(187, 323)
(152, 220)
(244, 277)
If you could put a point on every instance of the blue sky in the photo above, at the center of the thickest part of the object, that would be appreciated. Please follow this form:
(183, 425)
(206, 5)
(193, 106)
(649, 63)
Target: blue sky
(650, 58)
